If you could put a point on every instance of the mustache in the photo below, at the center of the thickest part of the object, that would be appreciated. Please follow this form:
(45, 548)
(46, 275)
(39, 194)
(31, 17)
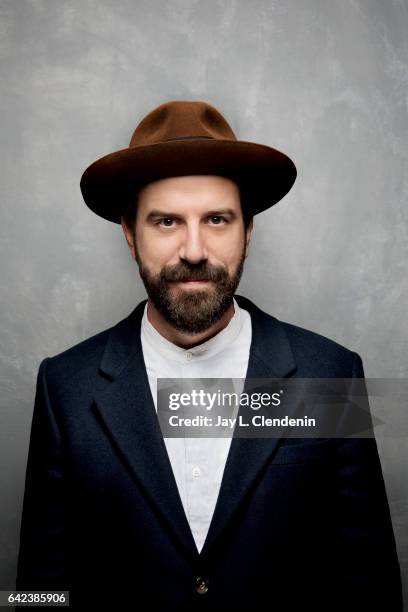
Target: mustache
(184, 273)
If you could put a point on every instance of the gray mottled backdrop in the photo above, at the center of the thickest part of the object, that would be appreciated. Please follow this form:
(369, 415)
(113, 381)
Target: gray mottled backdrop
(325, 81)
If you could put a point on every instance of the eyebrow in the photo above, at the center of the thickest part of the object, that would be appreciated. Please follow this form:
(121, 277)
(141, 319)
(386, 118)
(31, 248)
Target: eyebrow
(153, 214)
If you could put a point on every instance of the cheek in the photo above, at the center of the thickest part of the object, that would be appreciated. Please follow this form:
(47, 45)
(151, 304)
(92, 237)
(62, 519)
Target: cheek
(155, 253)
(229, 250)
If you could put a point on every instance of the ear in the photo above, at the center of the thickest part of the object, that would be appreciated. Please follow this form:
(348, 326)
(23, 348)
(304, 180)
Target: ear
(248, 235)
(130, 239)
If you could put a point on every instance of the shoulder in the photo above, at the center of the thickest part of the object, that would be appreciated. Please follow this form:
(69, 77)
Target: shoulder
(311, 353)
(85, 365)
(314, 352)
(306, 339)
(77, 364)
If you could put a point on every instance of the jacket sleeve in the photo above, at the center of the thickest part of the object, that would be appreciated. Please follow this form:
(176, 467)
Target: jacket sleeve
(368, 569)
(43, 557)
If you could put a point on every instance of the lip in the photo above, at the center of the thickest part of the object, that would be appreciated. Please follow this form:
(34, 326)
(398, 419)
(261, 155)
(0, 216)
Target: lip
(194, 282)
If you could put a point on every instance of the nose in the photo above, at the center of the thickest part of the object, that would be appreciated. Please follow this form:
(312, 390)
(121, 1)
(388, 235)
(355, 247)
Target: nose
(193, 247)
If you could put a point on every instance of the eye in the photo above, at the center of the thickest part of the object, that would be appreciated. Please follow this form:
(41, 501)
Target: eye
(165, 219)
(218, 217)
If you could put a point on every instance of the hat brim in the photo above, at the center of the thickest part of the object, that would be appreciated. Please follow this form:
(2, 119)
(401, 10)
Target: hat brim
(264, 174)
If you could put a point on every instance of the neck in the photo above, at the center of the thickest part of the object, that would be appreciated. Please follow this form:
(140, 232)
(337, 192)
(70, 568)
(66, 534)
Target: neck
(185, 339)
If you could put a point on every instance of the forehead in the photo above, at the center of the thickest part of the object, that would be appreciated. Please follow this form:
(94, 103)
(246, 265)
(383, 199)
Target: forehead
(183, 190)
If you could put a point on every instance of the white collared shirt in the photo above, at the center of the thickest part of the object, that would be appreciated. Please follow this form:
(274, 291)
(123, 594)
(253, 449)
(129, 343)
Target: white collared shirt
(198, 463)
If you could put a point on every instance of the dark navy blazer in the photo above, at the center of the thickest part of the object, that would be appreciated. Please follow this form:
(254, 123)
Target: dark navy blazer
(299, 524)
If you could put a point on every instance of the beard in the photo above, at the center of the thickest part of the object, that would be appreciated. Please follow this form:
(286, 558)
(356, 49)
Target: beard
(191, 310)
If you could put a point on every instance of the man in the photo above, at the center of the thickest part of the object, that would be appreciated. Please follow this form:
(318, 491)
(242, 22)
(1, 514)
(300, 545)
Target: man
(120, 515)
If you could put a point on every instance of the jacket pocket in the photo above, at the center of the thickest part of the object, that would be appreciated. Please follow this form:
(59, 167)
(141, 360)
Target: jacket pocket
(305, 452)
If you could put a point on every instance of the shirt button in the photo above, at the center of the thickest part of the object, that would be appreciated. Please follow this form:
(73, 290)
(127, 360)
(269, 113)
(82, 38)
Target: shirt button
(201, 585)
(196, 471)
(189, 355)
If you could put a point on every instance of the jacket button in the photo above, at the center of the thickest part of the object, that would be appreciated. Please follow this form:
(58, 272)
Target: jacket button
(201, 585)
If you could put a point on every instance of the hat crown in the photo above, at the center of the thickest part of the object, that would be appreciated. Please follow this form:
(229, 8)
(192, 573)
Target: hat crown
(181, 120)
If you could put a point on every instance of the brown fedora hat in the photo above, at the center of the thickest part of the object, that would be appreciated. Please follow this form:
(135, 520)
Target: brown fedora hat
(183, 138)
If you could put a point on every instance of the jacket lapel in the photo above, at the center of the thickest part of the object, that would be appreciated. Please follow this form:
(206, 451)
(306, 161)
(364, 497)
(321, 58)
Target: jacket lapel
(128, 412)
(127, 409)
(270, 356)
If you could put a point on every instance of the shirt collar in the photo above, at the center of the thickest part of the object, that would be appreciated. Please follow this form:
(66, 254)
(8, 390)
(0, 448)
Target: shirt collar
(206, 349)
